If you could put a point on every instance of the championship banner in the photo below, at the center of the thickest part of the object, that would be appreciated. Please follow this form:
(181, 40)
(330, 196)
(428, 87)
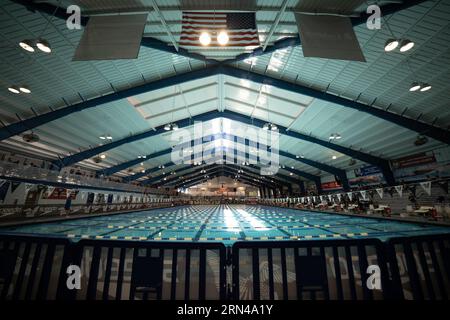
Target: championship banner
(399, 189)
(28, 187)
(14, 186)
(426, 186)
(363, 194)
(4, 186)
(380, 192)
(58, 194)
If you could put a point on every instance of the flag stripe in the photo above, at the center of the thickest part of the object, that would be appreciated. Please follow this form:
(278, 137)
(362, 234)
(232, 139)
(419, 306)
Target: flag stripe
(240, 27)
(213, 39)
(234, 33)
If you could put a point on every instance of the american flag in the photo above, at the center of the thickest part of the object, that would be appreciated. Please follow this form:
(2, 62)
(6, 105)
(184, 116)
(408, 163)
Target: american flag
(240, 27)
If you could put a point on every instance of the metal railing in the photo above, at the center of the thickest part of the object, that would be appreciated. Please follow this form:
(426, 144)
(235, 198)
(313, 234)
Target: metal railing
(33, 268)
(9, 169)
(326, 270)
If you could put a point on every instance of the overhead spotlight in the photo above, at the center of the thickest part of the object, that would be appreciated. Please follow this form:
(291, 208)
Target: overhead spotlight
(14, 89)
(425, 87)
(406, 45)
(103, 156)
(270, 126)
(24, 89)
(171, 126)
(43, 45)
(290, 173)
(27, 45)
(297, 156)
(205, 38)
(390, 45)
(143, 171)
(102, 137)
(335, 136)
(222, 38)
(414, 86)
(334, 157)
(109, 137)
(302, 156)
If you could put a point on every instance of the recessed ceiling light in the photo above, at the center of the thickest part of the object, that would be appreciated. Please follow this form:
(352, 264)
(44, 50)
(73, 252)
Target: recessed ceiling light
(425, 87)
(205, 38)
(414, 87)
(406, 45)
(27, 45)
(43, 45)
(24, 89)
(390, 45)
(14, 89)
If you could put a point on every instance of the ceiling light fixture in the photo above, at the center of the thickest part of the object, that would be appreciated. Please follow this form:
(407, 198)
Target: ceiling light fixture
(205, 38)
(43, 45)
(27, 45)
(414, 86)
(24, 89)
(390, 45)
(103, 156)
(222, 38)
(406, 45)
(14, 89)
(335, 136)
(334, 157)
(171, 126)
(270, 126)
(425, 87)
(417, 86)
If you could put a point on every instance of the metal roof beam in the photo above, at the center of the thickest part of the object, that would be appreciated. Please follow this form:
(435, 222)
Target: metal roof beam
(211, 173)
(437, 133)
(333, 170)
(295, 41)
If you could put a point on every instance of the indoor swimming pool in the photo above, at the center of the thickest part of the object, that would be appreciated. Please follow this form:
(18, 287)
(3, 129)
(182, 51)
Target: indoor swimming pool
(225, 223)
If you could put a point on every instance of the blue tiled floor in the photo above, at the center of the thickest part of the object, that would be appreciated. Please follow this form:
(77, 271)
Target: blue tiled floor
(227, 224)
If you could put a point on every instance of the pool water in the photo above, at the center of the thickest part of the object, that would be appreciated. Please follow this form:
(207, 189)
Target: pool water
(225, 223)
